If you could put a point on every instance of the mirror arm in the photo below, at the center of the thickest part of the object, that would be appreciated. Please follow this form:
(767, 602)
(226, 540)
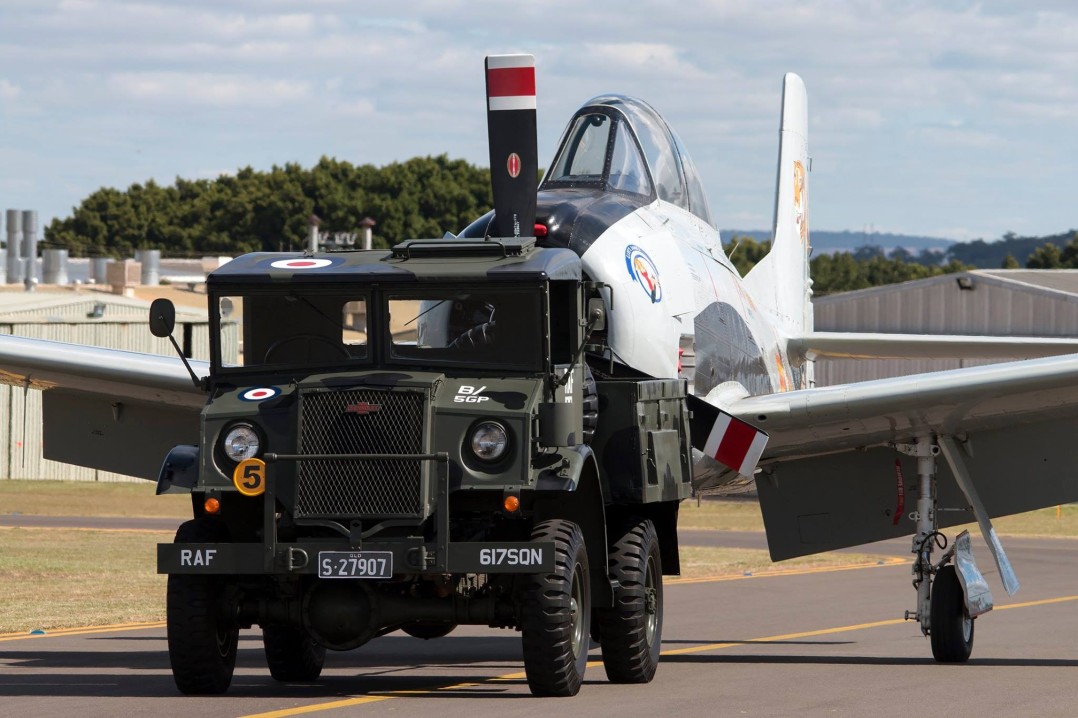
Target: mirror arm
(199, 383)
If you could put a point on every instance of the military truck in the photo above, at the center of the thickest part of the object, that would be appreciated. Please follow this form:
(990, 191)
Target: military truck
(413, 440)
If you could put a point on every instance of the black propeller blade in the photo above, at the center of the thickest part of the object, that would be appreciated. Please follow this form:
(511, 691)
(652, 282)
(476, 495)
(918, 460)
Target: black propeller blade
(514, 157)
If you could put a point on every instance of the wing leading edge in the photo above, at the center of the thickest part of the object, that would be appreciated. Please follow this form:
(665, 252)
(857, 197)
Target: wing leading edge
(851, 345)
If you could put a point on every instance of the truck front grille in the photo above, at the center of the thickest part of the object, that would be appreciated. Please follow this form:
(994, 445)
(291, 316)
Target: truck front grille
(361, 421)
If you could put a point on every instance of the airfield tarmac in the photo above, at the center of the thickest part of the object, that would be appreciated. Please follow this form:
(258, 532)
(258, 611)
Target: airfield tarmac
(805, 642)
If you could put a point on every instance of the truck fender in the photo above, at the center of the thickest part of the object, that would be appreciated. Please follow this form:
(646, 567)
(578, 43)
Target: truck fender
(179, 472)
(574, 493)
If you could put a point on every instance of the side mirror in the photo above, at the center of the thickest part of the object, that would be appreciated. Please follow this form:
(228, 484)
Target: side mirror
(162, 317)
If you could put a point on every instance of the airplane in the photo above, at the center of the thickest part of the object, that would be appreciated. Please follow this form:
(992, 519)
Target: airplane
(829, 463)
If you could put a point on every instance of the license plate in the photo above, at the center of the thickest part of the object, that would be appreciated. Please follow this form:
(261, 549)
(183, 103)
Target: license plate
(355, 564)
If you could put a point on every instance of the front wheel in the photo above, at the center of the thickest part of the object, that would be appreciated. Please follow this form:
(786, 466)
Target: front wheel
(201, 641)
(556, 614)
(632, 629)
(950, 626)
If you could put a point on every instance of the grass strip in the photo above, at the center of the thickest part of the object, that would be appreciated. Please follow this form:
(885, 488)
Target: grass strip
(54, 578)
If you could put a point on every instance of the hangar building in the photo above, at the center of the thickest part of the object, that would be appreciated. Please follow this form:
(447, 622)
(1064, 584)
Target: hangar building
(1006, 302)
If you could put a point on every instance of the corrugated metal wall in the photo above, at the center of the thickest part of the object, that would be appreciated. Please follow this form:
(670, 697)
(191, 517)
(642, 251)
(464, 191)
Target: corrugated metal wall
(20, 410)
(938, 306)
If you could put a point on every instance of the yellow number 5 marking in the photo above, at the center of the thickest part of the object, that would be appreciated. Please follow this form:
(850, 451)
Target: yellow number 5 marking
(249, 476)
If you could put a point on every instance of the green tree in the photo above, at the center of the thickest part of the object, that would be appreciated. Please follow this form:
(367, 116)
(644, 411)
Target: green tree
(745, 252)
(1046, 256)
(269, 210)
(1009, 262)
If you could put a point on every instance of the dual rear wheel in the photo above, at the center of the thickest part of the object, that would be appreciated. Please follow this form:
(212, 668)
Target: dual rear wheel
(556, 612)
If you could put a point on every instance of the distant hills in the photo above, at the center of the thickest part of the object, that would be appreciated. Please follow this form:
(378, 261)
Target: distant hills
(847, 241)
(978, 253)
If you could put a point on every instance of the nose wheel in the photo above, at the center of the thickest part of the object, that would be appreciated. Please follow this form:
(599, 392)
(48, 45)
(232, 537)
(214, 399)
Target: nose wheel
(951, 628)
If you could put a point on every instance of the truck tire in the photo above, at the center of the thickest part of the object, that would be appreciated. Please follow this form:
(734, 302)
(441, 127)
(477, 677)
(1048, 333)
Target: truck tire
(631, 629)
(292, 654)
(201, 642)
(556, 614)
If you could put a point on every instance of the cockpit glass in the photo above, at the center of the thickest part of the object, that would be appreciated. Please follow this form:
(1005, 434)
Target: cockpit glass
(627, 169)
(658, 146)
(583, 156)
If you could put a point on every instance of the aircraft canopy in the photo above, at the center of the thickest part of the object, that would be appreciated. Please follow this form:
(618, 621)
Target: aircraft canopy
(621, 144)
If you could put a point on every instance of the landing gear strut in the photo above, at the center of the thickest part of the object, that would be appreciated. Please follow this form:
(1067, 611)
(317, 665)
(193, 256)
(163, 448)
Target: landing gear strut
(951, 593)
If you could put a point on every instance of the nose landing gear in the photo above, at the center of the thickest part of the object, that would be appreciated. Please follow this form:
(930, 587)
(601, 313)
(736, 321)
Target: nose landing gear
(951, 593)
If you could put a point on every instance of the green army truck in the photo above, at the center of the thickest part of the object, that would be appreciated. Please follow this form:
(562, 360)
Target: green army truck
(414, 440)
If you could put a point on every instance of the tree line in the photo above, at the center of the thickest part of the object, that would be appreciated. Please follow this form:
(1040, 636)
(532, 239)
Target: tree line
(865, 267)
(270, 211)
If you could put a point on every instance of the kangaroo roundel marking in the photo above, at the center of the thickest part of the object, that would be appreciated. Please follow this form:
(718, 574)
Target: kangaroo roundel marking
(249, 477)
(643, 272)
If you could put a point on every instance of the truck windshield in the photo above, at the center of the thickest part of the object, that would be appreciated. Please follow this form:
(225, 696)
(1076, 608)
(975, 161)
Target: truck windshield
(290, 329)
(467, 327)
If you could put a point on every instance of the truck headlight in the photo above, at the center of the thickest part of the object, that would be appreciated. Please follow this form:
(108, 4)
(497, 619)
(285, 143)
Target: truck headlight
(241, 442)
(490, 441)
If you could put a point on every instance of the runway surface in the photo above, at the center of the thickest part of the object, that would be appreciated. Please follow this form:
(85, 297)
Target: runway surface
(800, 643)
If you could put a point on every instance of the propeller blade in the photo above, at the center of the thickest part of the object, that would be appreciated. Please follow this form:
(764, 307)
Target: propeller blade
(514, 157)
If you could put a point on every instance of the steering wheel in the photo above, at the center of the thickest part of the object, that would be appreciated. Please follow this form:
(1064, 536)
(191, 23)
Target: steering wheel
(305, 337)
(478, 336)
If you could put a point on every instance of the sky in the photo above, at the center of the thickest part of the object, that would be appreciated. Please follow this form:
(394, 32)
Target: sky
(956, 119)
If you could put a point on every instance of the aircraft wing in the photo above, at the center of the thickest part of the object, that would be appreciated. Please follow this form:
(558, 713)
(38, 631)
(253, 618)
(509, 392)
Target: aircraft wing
(104, 408)
(860, 345)
(829, 477)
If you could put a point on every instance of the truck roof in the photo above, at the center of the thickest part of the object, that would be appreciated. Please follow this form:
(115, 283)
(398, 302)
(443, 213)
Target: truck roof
(422, 260)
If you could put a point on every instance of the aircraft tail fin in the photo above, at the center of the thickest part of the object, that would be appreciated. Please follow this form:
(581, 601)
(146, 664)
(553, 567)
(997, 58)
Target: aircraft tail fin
(780, 282)
(514, 154)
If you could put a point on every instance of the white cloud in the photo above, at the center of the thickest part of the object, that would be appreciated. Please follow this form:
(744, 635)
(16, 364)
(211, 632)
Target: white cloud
(9, 90)
(207, 89)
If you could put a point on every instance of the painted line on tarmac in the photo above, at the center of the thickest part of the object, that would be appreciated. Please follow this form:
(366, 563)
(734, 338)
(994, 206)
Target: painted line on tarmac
(494, 680)
(114, 627)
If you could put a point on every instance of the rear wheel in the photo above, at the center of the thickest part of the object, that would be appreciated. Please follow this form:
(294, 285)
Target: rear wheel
(201, 640)
(292, 654)
(631, 630)
(950, 626)
(556, 614)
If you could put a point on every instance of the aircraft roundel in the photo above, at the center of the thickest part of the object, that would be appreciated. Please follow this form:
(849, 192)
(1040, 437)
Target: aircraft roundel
(260, 393)
(512, 165)
(643, 272)
(302, 263)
